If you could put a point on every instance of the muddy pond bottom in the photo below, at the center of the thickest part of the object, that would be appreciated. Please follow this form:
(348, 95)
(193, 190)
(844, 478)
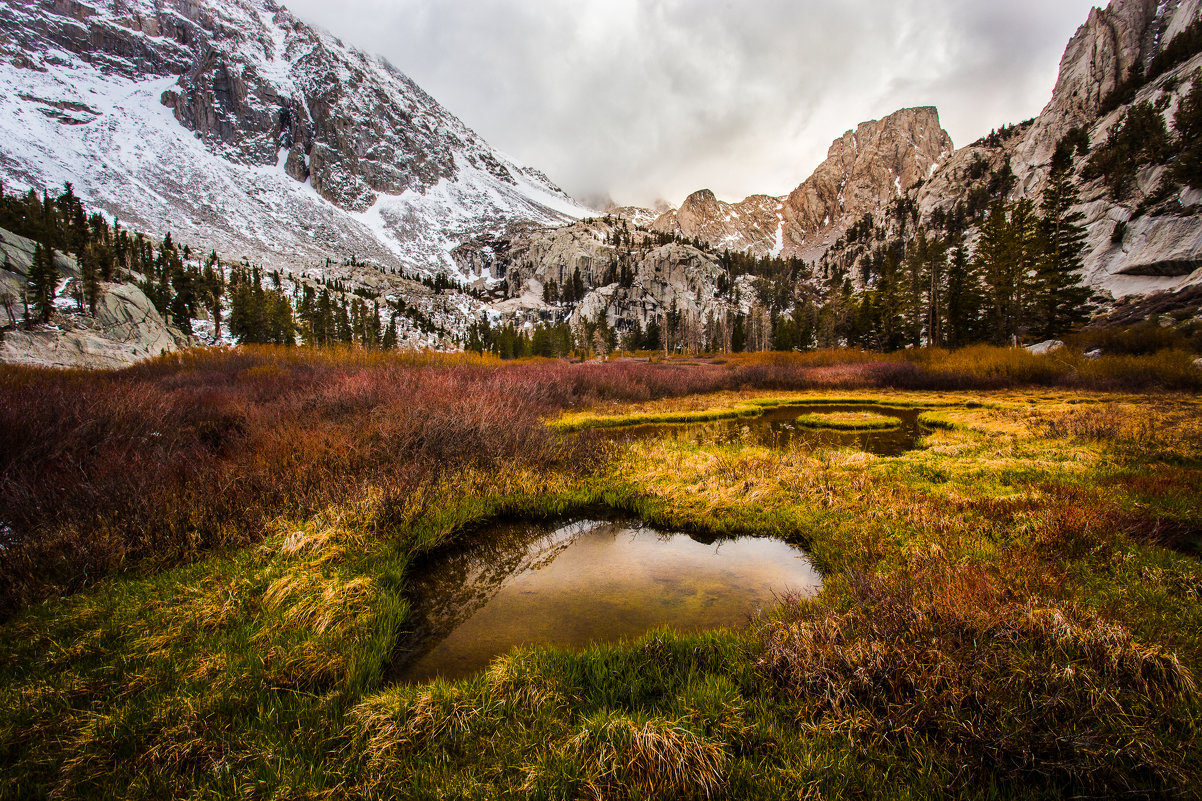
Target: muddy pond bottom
(584, 582)
(778, 428)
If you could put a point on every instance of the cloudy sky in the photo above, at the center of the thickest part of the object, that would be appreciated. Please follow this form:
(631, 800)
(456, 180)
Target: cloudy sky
(641, 100)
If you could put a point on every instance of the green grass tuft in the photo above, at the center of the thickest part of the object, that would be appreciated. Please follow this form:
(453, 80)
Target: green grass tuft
(849, 421)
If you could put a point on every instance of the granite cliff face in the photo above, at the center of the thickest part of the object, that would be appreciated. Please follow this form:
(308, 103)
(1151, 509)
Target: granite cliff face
(1161, 248)
(125, 329)
(864, 170)
(634, 279)
(1098, 57)
(1160, 251)
(907, 155)
(239, 127)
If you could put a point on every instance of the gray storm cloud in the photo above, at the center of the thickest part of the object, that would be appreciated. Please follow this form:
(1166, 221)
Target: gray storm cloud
(646, 99)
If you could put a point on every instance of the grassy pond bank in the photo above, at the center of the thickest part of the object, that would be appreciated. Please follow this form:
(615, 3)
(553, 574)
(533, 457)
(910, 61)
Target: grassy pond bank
(228, 599)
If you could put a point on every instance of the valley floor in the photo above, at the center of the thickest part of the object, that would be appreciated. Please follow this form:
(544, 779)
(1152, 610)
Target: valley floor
(1010, 610)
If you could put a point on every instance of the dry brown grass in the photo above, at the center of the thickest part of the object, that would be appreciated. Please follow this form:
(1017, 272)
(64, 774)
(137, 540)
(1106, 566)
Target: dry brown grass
(1000, 684)
(1135, 430)
(195, 452)
(660, 758)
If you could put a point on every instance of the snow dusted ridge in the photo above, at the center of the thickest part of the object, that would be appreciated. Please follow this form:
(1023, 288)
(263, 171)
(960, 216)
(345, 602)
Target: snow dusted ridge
(237, 127)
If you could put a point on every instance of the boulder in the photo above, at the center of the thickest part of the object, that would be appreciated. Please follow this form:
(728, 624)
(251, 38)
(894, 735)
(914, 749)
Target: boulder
(1043, 348)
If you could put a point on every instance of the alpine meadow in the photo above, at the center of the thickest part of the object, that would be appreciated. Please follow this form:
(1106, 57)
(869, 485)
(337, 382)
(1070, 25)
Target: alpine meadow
(343, 455)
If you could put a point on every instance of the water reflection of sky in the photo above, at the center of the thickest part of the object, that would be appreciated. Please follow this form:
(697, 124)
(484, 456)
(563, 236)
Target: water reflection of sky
(587, 582)
(776, 428)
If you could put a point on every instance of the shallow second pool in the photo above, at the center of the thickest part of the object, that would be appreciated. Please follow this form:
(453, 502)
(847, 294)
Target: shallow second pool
(777, 428)
(588, 581)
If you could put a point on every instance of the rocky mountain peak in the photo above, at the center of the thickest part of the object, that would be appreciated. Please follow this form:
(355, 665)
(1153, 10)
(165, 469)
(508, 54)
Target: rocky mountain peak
(701, 203)
(750, 225)
(865, 169)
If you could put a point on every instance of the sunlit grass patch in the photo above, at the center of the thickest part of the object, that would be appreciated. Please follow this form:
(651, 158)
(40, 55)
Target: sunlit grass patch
(731, 405)
(661, 758)
(849, 421)
(578, 420)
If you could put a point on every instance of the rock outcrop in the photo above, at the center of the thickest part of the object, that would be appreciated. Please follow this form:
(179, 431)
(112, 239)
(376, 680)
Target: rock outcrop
(864, 171)
(126, 328)
(669, 278)
(637, 282)
(752, 226)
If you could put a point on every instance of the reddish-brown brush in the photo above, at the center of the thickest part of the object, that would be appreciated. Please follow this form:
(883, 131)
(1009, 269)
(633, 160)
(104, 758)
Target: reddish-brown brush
(942, 658)
(195, 451)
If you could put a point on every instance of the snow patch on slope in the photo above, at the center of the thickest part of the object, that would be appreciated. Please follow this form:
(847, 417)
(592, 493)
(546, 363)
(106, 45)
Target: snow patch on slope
(68, 119)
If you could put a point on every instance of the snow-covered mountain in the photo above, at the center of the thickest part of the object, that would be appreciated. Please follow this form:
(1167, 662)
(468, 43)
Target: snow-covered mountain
(238, 127)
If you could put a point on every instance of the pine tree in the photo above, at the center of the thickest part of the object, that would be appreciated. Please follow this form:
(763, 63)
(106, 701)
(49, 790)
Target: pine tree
(391, 337)
(634, 338)
(1008, 254)
(282, 324)
(43, 282)
(1060, 302)
(90, 276)
(1188, 124)
(577, 286)
(738, 336)
(390, 334)
(913, 285)
(1026, 249)
(934, 258)
(651, 335)
(963, 301)
(213, 289)
(884, 307)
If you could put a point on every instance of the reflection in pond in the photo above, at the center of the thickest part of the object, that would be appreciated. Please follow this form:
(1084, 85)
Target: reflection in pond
(589, 581)
(776, 428)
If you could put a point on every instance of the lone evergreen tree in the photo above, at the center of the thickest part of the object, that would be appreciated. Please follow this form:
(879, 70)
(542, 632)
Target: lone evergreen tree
(390, 334)
(213, 283)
